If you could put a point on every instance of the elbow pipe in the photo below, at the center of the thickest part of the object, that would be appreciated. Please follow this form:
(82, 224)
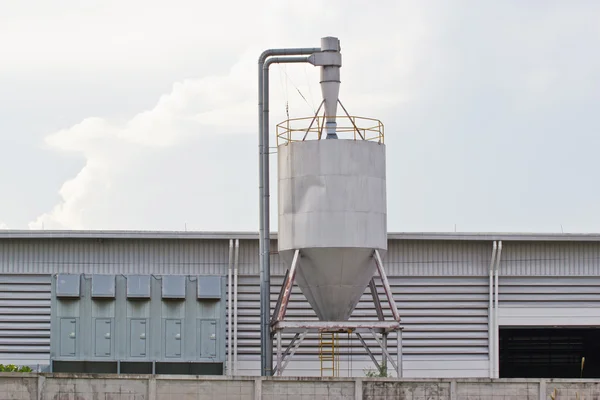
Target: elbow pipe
(264, 230)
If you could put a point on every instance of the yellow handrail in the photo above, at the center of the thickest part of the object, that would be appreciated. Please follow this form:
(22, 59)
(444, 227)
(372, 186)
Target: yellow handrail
(311, 128)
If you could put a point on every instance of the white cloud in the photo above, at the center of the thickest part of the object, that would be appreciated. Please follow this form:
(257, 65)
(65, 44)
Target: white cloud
(468, 95)
(3, 225)
(214, 105)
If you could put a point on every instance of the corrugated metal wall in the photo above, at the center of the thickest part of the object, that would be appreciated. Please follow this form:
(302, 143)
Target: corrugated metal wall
(441, 287)
(547, 274)
(25, 319)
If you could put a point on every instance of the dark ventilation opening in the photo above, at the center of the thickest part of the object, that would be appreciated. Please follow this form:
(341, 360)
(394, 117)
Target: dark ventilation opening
(549, 352)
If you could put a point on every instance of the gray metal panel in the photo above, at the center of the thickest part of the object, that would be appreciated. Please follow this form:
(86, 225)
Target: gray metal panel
(173, 287)
(68, 285)
(437, 258)
(208, 338)
(68, 337)
(565, 291)
(138, 338)
(550, 259)
(103, 286)
(103, 337)
(173, 338)
(191, 235)
(209, 287)
(24, 318)
(444, 316)
(138, 286)
(135, 256)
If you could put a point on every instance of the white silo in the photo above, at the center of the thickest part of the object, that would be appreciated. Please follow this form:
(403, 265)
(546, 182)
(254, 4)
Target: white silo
(332, 201)
(332, 219)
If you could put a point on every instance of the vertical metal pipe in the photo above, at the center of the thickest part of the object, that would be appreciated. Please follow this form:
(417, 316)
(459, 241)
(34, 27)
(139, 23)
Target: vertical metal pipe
(279, 352)
(399, 352)
(496, 327)
(491, 312)
(235, 306)
(229, 313)
(264, 207)
(384, 337)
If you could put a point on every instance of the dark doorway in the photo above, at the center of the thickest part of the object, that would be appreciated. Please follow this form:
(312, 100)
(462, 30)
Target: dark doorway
(549, 352)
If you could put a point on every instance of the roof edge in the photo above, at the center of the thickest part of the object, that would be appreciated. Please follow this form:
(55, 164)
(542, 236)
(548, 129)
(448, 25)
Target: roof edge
(199, 235)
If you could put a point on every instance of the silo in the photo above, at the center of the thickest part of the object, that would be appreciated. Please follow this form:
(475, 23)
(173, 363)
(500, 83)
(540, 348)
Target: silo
(332, 200)
(332, 220)
(332, 208)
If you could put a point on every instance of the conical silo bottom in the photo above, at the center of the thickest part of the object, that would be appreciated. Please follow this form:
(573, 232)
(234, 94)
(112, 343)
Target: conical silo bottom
(333, 279)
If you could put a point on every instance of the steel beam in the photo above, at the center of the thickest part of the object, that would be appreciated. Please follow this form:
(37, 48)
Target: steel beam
(364, 344)
(286, 352)
(399, 352)
(386, 286)
(300, 326)
(384, 349)
(280, 297)
(302, 336)
(287, 288)
(376, 301)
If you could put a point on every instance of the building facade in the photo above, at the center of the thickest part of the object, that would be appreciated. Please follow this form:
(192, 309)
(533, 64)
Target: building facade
(544, 315)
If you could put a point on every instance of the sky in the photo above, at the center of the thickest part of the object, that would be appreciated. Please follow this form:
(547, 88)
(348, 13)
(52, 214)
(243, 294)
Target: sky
(142, 115)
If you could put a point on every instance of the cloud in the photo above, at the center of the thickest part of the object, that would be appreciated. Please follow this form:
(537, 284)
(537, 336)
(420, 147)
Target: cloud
(3, 225)
(214, 105)
(485, 108)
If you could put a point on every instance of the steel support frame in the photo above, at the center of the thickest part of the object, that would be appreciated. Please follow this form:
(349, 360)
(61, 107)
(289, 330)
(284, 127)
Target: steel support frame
(302, 328)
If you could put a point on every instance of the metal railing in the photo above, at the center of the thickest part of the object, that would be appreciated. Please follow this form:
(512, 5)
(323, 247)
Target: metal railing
(312, 128)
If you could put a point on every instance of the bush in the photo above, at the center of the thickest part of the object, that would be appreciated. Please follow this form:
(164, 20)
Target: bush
(378, 373)
(14, 368)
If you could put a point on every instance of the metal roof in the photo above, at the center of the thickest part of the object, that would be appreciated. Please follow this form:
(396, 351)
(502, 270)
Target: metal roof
(451, 236)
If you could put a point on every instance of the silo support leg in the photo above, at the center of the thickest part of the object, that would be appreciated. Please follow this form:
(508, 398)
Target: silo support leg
(399, 353)
(384, 342)
(386, 286)
(279, 353)
(376, 301)
(286, 289)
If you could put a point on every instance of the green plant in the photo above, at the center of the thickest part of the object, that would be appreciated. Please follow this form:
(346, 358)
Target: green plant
(380, 372)
(14, 368)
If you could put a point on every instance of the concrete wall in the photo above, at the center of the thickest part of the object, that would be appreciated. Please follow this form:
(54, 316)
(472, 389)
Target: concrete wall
(16, 386)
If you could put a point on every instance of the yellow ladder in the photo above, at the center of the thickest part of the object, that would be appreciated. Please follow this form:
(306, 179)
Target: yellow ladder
(329, 354)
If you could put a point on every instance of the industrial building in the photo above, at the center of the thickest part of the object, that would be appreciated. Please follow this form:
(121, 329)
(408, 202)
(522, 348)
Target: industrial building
(539, 318)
